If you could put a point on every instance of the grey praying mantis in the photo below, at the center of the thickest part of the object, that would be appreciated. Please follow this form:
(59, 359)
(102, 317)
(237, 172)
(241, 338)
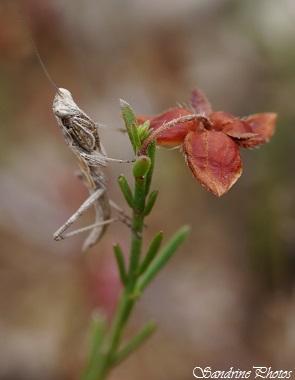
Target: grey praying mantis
(81, 136)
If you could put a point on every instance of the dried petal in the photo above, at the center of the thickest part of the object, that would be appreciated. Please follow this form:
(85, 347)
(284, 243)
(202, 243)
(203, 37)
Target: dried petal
(200, 103)
(219, 119)
(263, 124)
(214, 160)
(174, 136)
(231, 125)
(239, 131)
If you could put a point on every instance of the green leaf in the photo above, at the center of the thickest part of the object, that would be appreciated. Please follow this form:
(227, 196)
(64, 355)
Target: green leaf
(129, 120)
(143, 130)
(134, 343)
(97, 333)
(136, 137)
(151, 150)
(141, 166)
(125, 188)
(162, 258)
(120, 262)
(152, 251)
(150, 202)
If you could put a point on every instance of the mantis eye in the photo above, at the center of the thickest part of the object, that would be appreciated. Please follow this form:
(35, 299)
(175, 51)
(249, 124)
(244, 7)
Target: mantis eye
(61, 113)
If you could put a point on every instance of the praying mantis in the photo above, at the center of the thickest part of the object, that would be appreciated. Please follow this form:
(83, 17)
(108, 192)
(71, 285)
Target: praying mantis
(80, 133)
(81, 136)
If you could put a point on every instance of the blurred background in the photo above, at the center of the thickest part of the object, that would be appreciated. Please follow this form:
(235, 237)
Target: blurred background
(228, 297)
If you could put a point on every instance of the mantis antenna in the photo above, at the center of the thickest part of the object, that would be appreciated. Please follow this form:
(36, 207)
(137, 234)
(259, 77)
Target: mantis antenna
(38, 55)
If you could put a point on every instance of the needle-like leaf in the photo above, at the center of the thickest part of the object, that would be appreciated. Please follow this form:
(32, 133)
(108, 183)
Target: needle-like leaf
(152, 251)
(162, 258)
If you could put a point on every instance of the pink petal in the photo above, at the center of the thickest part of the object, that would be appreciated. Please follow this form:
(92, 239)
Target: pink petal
(199, 102)
(220, 119)
(214, 160)
(174, 136)
(263, 124)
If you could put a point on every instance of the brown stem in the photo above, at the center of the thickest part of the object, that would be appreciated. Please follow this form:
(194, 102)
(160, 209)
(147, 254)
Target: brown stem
(183, 119)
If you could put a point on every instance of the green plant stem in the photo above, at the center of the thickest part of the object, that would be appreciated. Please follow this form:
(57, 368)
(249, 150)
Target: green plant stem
(134, 343)
(107, 348)
(128, 297)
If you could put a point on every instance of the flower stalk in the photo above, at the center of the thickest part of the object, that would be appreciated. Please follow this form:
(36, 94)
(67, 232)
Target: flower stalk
(210, 142)
(108, 348)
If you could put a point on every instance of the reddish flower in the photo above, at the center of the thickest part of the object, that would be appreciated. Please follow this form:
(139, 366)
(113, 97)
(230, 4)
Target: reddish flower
(174, 136)
(210, 140)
